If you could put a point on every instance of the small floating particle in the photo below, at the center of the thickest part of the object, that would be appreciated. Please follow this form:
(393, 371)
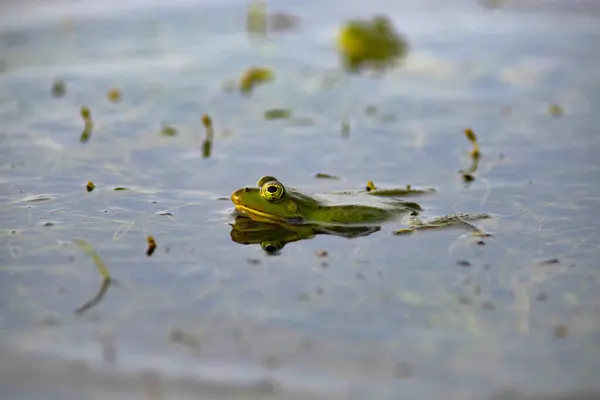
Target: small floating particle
(253, 261)
(114, 95)
(206, 121)
(184, 338)
(207, 143)
(86, 114)
(278, 113)
(206, 148)
(303, 296)
(120, 188)
(165, 213)
(151, 245)
(321, 253)
(463, 263)
(550, 261)
(58, 88)
(471, 135)
(89, 125)
(561, 331)
(253, 77)
(90, 186)
(464, 300)
(325, 176)
(555, 110)
(475, 153)
(468, 178)
(488, 305)
(345, 130)
(168, 130)
(370, 110)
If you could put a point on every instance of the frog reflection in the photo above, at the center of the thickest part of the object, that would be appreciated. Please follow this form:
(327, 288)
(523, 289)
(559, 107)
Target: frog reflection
(273, 237)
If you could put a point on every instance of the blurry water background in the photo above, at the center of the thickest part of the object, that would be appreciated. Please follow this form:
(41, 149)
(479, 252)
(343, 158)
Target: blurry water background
(430, 315)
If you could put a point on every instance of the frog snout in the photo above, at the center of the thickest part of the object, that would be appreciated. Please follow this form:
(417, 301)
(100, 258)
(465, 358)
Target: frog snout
(236, 197)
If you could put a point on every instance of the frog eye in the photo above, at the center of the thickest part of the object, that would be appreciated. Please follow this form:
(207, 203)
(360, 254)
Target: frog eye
(272, 247)
(272, 191)
(265, 179)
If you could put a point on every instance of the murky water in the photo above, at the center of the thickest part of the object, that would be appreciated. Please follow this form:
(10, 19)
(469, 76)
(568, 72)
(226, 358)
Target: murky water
(421, 316)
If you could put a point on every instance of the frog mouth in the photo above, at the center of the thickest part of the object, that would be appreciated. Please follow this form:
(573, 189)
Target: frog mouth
(262, 215)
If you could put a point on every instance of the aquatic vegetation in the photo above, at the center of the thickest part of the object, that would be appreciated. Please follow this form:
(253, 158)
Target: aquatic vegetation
(88, 124)
(90, 186)
(168, 130)
(373, 44)
(255, 76)
(345, 129)
(59, 88)
(208, 139)
(325, 176)
(120, 188)
(406, 191)
(278, 113)
(151, 245)
(468, 175)
(102, 269)
(555, 110)
(114, 95)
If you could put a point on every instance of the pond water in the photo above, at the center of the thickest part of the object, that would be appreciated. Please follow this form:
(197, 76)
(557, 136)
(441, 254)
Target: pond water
(434, 314)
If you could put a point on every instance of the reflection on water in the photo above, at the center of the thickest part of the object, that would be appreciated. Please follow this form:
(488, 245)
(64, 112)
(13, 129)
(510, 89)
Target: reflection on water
(273, 237)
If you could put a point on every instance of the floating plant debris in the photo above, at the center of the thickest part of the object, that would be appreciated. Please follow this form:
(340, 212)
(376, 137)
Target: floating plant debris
(89, 124)
(253, 77)
(468, 175)
(555, 110)
(168, 130)
(345, 130)
(59, 88)
(151, 246)
(325, 176)
(208, 139)
(278, 113)
(114, 95)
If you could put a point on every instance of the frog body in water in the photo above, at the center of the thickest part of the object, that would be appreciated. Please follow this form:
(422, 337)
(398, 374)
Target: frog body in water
(272, 202)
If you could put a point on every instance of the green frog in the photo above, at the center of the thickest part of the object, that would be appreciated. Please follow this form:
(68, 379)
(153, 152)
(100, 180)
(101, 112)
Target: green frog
(272, 202)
